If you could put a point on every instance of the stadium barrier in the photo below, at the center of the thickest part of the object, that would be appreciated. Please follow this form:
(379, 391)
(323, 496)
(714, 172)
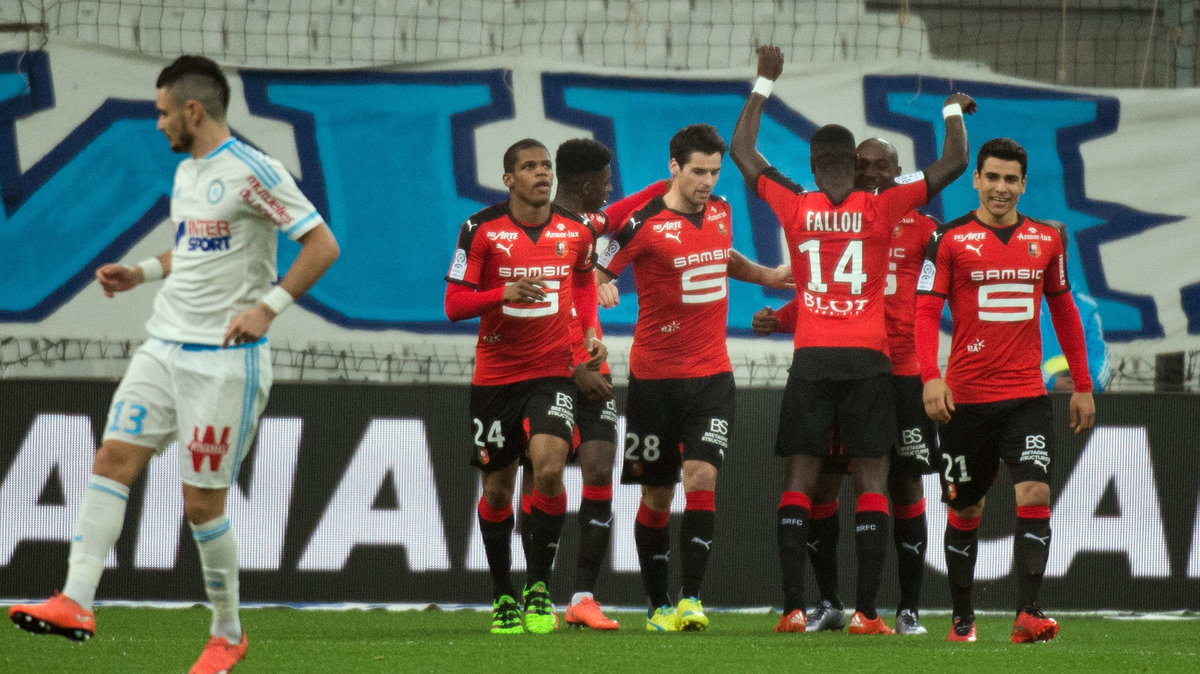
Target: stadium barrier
(361, 493)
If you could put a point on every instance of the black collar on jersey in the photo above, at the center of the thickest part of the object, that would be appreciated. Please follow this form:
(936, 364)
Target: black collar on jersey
(1003, 233)
(658, 204)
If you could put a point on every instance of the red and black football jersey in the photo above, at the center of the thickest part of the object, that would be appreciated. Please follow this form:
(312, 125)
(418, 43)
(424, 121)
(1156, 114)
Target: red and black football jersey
(680, 264)
(526, 340)
(839, 256)
(994, 279)
(906, 251)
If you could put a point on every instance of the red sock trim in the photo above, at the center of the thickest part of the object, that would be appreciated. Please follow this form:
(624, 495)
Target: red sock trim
(597, 493)
(489, 514)
(551, 505)
(795, 498)
(871, 502)
(1041, 512)
(907, 512)
(700, 500)
(652, 518)
(822, 510)
(962, 523)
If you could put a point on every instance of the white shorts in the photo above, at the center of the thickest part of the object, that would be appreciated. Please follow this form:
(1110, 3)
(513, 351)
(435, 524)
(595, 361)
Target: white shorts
(207, 398)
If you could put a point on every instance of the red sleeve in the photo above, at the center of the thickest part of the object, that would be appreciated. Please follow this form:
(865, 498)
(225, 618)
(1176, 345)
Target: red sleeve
(929, 313)
(895, 202)
(786, 317)
(1069, 330)
(463, 302)
(583, 289)
(620, 211)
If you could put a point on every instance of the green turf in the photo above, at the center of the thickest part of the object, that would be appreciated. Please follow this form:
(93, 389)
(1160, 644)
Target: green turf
(289, 640)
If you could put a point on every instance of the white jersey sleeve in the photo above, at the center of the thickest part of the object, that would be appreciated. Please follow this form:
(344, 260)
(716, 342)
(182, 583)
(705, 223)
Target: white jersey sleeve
(228, 208)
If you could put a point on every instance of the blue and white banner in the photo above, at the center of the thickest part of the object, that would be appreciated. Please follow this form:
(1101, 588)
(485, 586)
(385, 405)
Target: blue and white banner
(396, 160)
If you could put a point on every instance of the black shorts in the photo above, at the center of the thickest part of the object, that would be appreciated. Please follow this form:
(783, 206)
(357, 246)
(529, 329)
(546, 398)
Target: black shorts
(916, 449)
(862, 410)
(504, 417)
(596, 419)
(981, 435)
(669, 421)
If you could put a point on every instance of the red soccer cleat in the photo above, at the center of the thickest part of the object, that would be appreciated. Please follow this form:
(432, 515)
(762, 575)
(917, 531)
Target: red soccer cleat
(1032, 625)
(219, 656)
(859, 624)
(587, 613)
(794, 621)
(963, 629)
(57, 615)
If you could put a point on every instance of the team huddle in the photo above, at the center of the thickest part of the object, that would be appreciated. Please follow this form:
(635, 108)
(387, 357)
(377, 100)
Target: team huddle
(865, 395)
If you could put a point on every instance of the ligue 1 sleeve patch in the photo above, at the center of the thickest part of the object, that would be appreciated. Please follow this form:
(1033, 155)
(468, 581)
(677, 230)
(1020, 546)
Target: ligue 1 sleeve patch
(910, 178)
(928, 271)
(459, 269)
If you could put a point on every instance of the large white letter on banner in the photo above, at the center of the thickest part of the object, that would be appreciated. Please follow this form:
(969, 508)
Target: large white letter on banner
(1119, 456)
(396, 447)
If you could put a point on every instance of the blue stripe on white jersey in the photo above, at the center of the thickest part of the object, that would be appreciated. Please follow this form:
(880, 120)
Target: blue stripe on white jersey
(255, 163)
(300, 223)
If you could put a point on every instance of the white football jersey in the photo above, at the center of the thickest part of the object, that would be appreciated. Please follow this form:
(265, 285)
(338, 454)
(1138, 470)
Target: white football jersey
(227, 207)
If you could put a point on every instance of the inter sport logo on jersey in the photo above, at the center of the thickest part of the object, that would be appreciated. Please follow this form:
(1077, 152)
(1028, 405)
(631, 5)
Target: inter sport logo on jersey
(206, 235)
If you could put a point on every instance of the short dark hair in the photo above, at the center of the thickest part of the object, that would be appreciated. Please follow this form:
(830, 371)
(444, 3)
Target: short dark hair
(580, 156)
(1004, 149)
(196, 78)
(510, 155)
(700, 138)
(832, 147)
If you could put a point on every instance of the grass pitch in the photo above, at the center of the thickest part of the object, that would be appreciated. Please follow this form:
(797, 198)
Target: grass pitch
(290, 640)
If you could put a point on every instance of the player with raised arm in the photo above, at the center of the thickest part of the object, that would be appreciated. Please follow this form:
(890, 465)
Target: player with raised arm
(838, 238)
(681, 389)
(524, 266)
(994, 265)
(203, 376)
(877, 168)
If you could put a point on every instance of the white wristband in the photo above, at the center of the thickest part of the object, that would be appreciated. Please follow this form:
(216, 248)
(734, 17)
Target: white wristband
(152, 269)
(278, 299)
(952, 110)
(763, 86)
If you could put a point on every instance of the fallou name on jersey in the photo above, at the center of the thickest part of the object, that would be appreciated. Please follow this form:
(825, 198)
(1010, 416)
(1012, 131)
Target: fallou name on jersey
(206, 235)
(833, 221)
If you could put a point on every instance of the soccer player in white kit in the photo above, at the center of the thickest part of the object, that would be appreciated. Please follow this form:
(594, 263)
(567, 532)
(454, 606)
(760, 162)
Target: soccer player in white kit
(203, 375)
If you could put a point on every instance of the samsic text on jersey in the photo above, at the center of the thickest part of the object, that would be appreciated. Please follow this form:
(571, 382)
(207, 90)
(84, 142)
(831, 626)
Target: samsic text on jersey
(994, 279)
(839, 256)
(680, 264)
(528, 340)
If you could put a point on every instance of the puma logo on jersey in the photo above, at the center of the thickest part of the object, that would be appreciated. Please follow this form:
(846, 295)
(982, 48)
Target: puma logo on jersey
(507, 249)
(915, 547)
(699, 541)
(664, 557)
(978, 249)
(605, 524)
(471, 225)
(672, 235)
(965, 552)
(1044, 540)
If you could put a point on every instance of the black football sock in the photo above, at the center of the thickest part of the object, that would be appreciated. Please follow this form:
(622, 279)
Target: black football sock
(911, 537)
(595, 532)
(962, 548)
(1031, 549)
(824, 530)
(870, 541)
(792, 522)
(496, 527)
(696, 539)
(653, 542)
